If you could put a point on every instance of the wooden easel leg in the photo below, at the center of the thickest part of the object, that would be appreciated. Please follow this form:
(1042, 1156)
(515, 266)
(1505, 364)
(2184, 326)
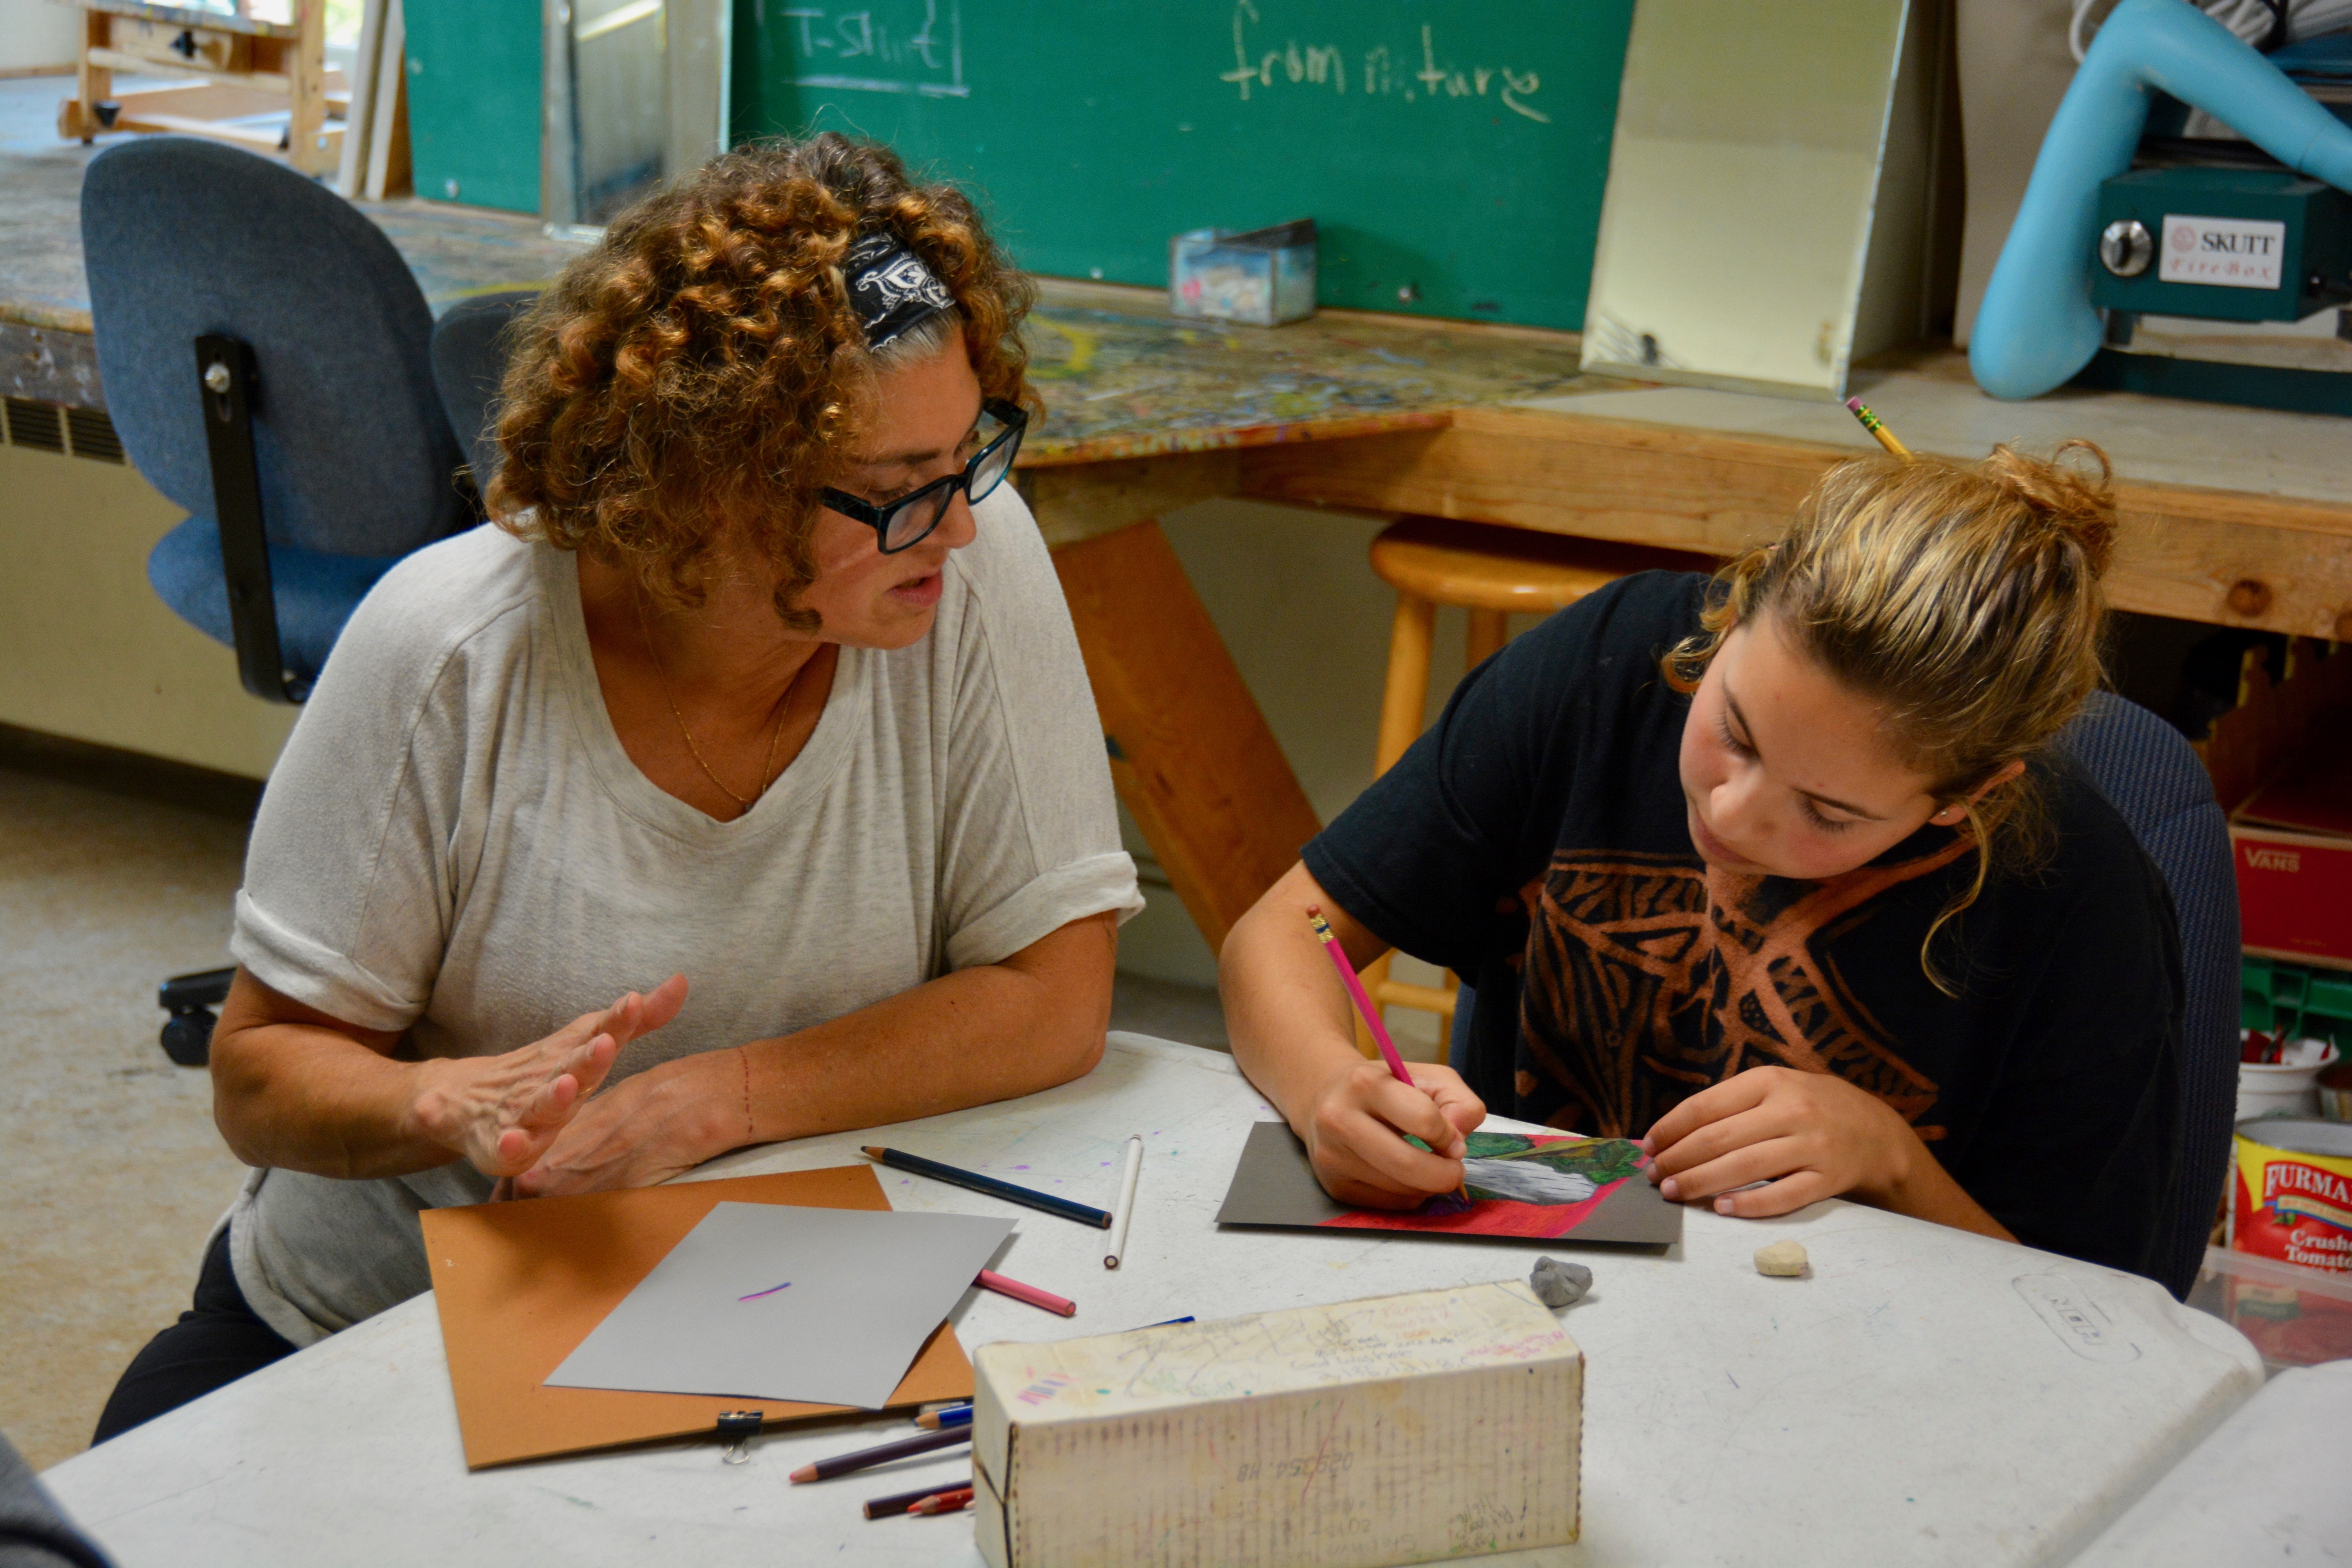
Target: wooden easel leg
(1191, 753)
(77, 116)
(307, 145)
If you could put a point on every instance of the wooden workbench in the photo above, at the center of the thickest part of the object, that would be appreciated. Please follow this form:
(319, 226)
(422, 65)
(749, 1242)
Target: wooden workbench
(2232, 516)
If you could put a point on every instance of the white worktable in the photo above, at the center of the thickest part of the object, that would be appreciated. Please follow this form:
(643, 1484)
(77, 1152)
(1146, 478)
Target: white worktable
(1925, 1397)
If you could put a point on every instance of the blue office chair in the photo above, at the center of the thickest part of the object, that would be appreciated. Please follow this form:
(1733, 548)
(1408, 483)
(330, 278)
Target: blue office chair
(264, 351)
(471, 344)
(2161, 789)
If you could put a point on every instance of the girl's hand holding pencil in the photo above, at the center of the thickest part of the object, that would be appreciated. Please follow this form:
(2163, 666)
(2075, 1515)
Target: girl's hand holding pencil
(1356, 1134)
(1357, 1129)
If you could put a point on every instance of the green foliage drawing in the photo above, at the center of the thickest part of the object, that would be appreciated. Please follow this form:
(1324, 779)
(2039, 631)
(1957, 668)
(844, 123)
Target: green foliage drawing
(1600, 1161)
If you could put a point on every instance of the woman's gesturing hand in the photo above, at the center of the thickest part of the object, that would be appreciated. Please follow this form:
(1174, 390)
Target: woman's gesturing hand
(661, 1121)
(1811, 1135)
(1356, 1132)
(501, 1112)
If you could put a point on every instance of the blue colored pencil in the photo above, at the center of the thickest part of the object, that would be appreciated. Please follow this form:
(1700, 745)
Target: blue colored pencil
(898, 1161)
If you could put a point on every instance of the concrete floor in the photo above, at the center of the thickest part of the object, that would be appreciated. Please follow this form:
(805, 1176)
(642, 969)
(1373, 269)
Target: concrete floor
(115, 871)
(110, 880)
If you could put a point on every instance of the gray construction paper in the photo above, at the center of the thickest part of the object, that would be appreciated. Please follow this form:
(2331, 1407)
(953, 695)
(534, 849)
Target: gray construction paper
(1274, 1184)
(867, 1287)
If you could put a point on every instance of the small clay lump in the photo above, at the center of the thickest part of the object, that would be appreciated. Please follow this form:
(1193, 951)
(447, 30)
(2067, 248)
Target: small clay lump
(1558, 1284)
(1782, 1260)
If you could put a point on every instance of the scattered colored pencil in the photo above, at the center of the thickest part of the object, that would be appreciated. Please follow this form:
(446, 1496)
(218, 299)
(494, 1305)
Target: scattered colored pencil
(1168, 1322)
(895, 1505)
(865, 1459)
(953, 1415)
(899, 1160)
(1125, 1212)
(1870, 423)
(992, 1281)
(1371, 1014)
(945, 1503)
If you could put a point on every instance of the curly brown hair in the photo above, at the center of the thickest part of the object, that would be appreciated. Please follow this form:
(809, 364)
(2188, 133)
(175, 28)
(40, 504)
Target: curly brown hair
(699, 371)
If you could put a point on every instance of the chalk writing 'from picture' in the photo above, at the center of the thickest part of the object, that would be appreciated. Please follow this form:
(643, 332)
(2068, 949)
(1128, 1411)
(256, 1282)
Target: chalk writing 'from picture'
(1374, 72)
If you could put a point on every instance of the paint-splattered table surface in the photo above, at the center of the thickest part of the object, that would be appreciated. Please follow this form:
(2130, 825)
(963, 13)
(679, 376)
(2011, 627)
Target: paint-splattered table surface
(1123, 378)
(454, 252)
(1120, 377)
(1923, 1395)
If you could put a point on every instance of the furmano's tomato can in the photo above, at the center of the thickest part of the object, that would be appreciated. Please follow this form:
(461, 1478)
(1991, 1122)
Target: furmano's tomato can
(2293, 1196)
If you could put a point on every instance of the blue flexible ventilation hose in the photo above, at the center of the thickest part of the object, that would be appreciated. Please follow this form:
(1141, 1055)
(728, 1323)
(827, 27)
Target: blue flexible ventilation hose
(2037, 326)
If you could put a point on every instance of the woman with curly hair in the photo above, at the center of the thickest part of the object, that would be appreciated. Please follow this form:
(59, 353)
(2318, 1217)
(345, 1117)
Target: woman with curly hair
(760, 711)
(1778, 873)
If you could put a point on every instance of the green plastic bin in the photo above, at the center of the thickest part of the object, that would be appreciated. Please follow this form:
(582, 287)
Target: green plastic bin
(2307, 1003)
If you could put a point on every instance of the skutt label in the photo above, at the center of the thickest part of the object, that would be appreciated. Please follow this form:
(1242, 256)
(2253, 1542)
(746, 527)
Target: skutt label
(2233, 252)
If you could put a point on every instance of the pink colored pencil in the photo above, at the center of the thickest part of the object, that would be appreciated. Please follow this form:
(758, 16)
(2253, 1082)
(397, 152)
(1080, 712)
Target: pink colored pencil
(1372, 1014)
(992, 1281)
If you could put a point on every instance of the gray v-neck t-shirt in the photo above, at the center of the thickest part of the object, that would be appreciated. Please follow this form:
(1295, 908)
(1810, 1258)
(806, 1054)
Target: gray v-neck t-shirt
(454, 845)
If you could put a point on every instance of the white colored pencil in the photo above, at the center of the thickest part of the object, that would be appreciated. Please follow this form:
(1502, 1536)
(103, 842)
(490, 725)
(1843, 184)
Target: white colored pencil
(1126, 1209)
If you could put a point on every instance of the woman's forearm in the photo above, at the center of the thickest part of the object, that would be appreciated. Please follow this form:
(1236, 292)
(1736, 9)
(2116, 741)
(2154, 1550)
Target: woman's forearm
(995, 1031)
(1287, 1017)
(299, 1095)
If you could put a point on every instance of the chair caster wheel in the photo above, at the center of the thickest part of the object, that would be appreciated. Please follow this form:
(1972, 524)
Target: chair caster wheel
(188, 1037)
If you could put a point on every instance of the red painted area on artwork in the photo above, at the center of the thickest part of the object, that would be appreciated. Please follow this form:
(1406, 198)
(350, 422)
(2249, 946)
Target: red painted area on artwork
(1486, 1216)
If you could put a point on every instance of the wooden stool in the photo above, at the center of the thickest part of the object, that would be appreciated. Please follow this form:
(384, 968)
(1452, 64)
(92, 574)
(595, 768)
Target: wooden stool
(1493, 573)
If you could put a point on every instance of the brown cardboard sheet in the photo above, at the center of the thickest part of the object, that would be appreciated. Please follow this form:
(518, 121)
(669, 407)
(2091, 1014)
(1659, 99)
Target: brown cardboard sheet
(520, 1285)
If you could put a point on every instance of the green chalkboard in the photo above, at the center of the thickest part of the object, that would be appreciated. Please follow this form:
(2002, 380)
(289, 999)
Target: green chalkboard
(1452, 152)
(473, 100)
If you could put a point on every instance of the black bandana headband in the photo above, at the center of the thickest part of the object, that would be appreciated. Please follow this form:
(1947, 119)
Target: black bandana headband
(890, 289)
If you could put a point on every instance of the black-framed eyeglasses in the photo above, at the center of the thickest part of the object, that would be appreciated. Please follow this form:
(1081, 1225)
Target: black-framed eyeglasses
(906, 522)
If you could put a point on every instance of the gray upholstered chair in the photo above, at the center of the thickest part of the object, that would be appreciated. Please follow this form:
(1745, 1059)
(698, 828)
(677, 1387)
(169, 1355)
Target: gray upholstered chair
(309, 415)
(264, 352)
(34, 1531)
(471, 345)
(2158, 786)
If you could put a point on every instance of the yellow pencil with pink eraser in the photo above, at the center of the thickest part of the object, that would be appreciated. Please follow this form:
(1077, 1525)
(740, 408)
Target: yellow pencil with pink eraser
(1871, 422)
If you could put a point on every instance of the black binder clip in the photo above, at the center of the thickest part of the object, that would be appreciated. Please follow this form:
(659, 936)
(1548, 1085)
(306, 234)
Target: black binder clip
(739, 1427)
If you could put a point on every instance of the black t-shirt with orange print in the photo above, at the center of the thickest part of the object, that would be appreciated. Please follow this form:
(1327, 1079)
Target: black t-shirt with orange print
(1534, 841)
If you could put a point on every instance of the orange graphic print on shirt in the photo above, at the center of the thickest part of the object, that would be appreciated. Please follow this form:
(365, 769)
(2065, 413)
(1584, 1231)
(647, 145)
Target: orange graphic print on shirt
(1648, 977)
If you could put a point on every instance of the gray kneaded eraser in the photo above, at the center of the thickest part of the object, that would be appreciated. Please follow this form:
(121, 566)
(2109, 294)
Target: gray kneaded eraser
(1558, 1284)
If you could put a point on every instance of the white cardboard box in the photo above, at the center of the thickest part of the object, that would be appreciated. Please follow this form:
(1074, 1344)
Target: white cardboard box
(1398, 1429)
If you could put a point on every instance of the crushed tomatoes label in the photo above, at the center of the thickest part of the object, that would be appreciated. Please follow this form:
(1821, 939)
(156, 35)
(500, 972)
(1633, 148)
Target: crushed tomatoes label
(2296, 1207)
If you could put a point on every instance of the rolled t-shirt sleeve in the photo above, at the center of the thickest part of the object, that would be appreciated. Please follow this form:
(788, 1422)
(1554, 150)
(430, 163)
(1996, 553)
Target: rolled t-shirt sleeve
(1466, 814)
(349, 877)
(1029, 835)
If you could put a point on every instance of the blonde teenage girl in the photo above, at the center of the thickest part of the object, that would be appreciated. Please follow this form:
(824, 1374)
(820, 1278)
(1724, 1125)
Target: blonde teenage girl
(1778, 873)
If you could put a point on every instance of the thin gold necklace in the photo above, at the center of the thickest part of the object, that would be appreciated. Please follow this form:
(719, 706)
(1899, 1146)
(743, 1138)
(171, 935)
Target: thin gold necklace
(767, 768)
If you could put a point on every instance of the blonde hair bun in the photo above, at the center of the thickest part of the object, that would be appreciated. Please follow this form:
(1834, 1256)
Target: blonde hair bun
(2069, 500)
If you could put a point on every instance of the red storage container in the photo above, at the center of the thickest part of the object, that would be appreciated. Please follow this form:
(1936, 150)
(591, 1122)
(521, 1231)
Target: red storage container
(2291, 841)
